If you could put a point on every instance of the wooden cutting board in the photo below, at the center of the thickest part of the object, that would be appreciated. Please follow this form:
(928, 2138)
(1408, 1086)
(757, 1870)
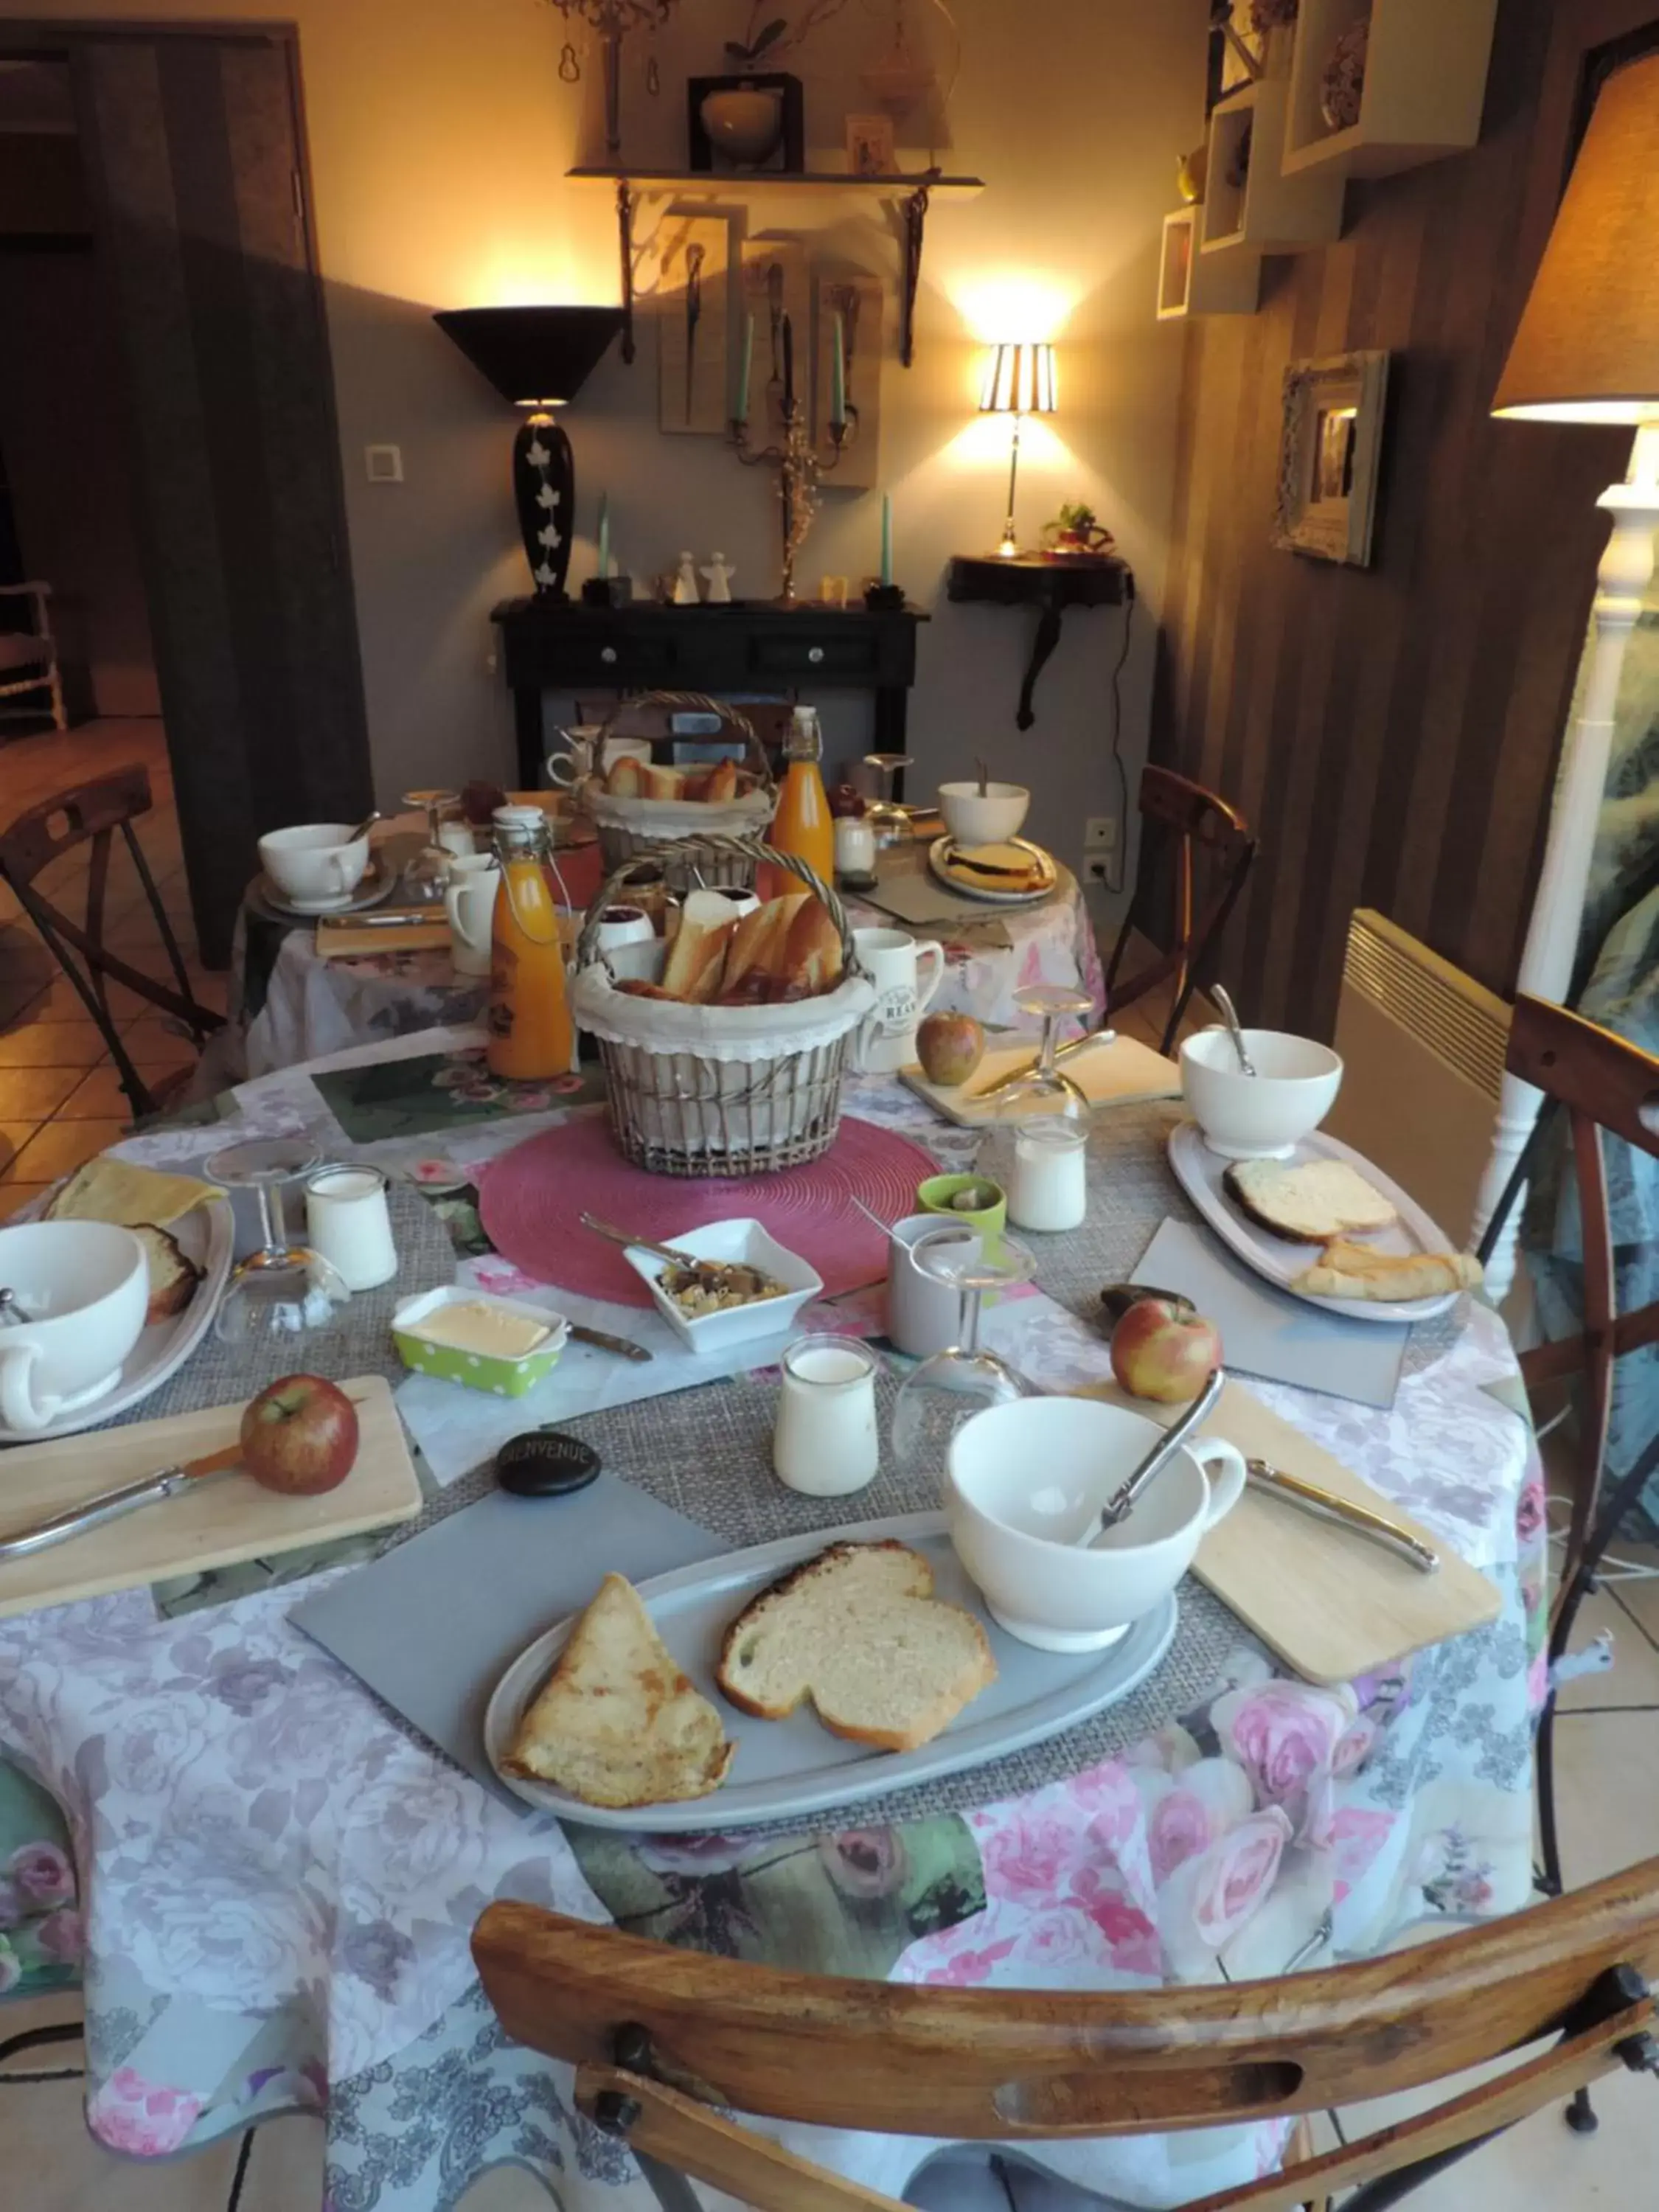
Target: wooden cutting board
(227, 1519)
(1117, 1074)
(1329, 1602)
(349, 937)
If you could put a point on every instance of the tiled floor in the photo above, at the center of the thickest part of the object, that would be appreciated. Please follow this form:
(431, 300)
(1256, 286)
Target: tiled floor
(58, 1104)
(59, 1098)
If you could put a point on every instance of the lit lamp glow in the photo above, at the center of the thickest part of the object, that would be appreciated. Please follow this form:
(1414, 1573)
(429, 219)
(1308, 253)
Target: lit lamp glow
(1019, 381)
(1587, 351)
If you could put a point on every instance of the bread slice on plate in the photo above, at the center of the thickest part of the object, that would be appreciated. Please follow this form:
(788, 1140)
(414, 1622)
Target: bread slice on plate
(173, 1277)
(1309, 1204)
(1358, 1271)
(618, 1723)
(858, 1630)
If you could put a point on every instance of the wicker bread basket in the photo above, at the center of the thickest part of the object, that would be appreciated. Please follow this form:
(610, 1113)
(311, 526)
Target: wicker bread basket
(634, 828)
(720, 1090)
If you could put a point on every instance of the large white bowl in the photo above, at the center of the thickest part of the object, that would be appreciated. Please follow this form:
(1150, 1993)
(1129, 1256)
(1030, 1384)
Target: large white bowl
(1266, 1115)
(744, 1241)
(85, 1288)
(1026, 1481)
(316, 865)
(972, 819)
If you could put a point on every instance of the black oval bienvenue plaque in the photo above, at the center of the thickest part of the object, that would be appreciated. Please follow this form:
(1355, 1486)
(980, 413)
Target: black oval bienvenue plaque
(544, 1464)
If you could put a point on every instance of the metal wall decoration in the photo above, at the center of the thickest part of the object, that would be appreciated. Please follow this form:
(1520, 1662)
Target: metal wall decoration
(776, 283)
(692, 285)
(1330, 445)
(856, 296)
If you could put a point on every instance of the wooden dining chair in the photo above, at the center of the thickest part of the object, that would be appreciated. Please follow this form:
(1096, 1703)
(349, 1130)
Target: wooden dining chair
(91, 814)
(661, 2037)
(1603, 1083)
(1213, 853)
(29, 656)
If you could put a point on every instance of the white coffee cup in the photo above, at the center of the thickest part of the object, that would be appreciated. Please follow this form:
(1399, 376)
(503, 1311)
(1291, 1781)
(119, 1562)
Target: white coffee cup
(469, 903)
(1026, 1484)
(565, 770)
(316, 865)
(924, 1314)
(886, 1039)
(85, 1286)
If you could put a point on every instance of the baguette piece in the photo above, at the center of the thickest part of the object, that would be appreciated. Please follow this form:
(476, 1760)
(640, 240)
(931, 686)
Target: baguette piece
(811, 961)
(617, 1722)
(664, 783)
(696, 959)
(1309, 1203)
(859, 1632)
(1356, 1271)
(755, 955)
(722, 784)
(625, 778)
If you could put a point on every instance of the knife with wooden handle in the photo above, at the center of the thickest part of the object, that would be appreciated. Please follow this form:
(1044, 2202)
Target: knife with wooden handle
(1325, 1505)
(622, 1346)
(110, 1504)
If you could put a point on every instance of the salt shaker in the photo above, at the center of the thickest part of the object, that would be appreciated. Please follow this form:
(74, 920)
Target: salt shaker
(825, 1442)
(349, 1222)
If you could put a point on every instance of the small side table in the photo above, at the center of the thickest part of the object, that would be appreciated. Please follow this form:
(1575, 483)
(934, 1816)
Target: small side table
(1051, 582)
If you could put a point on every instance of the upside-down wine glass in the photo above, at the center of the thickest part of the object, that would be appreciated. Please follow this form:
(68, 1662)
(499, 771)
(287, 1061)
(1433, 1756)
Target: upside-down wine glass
(949, 1388)
(1047, 1089)
(886, 816)
(284, 1289)
(427, 877)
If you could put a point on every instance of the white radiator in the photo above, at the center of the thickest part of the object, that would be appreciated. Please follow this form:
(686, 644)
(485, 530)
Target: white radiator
(1423, 1046)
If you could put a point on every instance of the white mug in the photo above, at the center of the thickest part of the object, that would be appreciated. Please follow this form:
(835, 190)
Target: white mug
(886, 1039)
(469, 903)
(349, 1223)
(315, 865)
(565, 770)
(924, 1314)
(85, 1285)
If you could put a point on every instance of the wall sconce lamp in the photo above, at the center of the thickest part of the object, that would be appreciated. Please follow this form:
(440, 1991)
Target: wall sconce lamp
(1019, 381)
(539, 358)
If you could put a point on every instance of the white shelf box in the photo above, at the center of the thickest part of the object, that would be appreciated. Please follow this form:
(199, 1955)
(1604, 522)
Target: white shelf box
(1192, 283)
(1269, 212)
(1425, 85)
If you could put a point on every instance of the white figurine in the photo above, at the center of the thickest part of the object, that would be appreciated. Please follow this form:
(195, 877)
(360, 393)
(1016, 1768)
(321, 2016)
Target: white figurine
(686, 593)
(720, 574)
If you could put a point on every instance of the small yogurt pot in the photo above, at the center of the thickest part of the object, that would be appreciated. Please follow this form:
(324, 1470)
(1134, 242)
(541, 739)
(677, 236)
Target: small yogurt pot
(1266, 1115)
(1026, 1481)
(974, 817)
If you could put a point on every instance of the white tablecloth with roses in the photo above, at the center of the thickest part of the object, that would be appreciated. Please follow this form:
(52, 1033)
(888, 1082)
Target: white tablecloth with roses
(267, 1884)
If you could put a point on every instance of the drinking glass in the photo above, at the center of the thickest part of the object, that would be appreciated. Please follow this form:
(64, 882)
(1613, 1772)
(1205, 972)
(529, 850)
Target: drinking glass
(1046, 1089)
(890, 821)
(427, 877)
(952, 1386)
(283, 1289)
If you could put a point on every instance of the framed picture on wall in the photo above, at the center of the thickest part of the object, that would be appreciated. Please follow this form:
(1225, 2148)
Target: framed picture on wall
(1330, 443)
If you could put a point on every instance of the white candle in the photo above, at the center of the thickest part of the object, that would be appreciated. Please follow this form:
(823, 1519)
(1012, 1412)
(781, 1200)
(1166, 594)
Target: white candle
(825, 1442)
(348, 1223)
(1048, 1179)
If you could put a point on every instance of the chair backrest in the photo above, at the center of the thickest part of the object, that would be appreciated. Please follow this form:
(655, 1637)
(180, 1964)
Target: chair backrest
(1212, 851)
(1603, 1082)
(91, 814)
(663, 2032)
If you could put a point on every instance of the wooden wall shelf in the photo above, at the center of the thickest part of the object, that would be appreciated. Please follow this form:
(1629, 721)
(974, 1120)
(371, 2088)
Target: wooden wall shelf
(1425, 85)
(1269, 212)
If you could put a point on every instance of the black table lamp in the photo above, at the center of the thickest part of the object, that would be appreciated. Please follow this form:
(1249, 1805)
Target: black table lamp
(539, 358)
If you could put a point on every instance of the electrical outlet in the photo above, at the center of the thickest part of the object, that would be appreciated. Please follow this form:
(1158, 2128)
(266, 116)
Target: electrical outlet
(384, 463)
(1096, 869)
(1100, 834)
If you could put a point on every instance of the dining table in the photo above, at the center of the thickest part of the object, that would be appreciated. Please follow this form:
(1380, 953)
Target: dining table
(264, 1880)
(287, 1003)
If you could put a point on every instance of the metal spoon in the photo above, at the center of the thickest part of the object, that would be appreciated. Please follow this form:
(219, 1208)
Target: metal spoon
(364, 826)
(11, 1313)
(713, 1274)
(1124, 1497)
(1229, 1014)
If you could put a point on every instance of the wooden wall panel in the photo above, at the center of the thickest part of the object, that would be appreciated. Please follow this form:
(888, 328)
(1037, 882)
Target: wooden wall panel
(1392, 733)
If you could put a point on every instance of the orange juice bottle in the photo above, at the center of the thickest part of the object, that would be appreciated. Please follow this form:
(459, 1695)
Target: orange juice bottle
(803, 824)
(531, 1035)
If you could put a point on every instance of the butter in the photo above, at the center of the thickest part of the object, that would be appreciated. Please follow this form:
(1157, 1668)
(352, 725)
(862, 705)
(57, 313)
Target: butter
(472, 1326)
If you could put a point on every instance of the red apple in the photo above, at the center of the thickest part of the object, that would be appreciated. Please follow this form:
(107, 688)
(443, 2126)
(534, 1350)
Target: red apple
(300, 1435)
(950, 1048)
(1158, 1351)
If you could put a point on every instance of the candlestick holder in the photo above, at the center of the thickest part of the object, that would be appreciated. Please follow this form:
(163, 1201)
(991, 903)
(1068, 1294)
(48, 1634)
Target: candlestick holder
(799, 465)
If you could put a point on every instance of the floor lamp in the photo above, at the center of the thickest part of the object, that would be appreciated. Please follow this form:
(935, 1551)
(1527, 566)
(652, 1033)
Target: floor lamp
(1587, 351)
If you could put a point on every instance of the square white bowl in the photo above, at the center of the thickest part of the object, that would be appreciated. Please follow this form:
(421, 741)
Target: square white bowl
(743, 1242)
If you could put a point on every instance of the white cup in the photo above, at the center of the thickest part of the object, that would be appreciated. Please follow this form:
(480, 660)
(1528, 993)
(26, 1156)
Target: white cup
(825, 1442)
(623, 925)
(316, 865)
(1025, 1481)
(469, 903)
(886, 1038)
(349, 1223)
(566, 769)
(85, 1285)
(924, 1314)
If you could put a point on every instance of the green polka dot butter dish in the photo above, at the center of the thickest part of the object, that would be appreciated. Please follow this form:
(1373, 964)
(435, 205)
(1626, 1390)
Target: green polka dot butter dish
(504, 1345)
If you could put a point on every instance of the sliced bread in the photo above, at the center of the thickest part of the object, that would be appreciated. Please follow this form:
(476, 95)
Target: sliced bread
(1357, 1271)
(1309, 1203)
(618, 1723)
(172, 1278)
(858, 1631)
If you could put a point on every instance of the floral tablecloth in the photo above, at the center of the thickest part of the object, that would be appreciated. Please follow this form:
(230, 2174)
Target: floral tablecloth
(289, 1005)
(276, 1882)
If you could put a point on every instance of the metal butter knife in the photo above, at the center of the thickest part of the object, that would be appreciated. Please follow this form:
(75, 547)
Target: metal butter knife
(1325, 1505)
(110, 1504)
(624, 1346)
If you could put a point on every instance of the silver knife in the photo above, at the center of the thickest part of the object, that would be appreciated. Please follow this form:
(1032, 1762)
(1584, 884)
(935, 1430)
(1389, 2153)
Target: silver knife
(624, 1346)
(1325, 1505)
(110, 1504)
(1018, 1074)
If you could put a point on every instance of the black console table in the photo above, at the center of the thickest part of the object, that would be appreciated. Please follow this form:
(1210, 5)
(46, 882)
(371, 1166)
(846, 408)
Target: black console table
(1048, 581)
(752, 645)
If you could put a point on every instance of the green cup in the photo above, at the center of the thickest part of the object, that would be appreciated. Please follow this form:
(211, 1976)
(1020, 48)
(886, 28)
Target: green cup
(934, 1196)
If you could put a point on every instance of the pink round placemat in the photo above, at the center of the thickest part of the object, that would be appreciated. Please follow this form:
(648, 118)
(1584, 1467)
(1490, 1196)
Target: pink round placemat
(531, 1200)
